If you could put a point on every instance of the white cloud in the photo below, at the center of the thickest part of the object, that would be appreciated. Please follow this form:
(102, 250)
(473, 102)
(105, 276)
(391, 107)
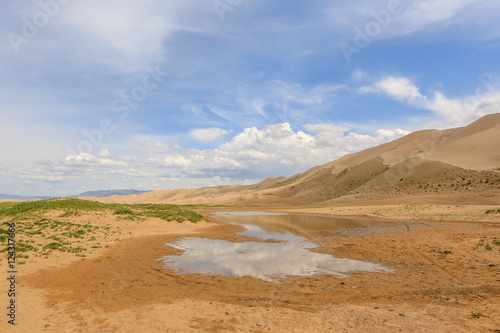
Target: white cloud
(343, 141)
(418, 17)
(177, 160)
(123, 34)
(450, 111)
(400, 88)
(251, 155)
(280, 147)
(274, 101)
(86, 159)
(279, 136)
(209, 134)
(327, 132)
(420, 14)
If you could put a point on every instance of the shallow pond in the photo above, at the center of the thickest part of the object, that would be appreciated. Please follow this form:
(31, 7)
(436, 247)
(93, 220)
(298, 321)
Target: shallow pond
(289, 255)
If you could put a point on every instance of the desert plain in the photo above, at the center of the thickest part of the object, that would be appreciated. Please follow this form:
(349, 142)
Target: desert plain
(97, 270)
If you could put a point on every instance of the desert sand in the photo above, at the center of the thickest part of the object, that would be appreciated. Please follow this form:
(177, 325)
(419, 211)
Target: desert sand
(442, 276)
(436, 185)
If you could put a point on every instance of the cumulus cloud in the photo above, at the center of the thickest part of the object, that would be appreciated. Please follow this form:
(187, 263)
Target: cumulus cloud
(251, 155)
(400, 88)
(457, 111)
(82, 164)
(272, 138)
(86, 159)
(177, 160)
(344, 141)
(278, 148)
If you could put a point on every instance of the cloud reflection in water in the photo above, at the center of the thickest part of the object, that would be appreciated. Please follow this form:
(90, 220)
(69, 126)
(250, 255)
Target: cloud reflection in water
(266, 261)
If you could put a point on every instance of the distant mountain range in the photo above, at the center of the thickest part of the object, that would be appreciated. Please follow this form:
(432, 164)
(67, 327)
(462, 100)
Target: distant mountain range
(108, 193)
(97, 194)
(20, 197)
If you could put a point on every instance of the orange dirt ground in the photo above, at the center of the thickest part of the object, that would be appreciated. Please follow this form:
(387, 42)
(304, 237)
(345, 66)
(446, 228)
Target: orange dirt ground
(123, 288)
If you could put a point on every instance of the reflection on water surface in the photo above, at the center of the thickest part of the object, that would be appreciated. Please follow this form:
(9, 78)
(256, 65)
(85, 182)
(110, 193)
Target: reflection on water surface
(291, 256)
(309, 226)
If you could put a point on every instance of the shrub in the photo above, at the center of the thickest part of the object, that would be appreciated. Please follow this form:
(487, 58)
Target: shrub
(124, 211)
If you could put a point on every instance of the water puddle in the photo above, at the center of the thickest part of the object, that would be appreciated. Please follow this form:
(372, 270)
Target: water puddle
(309, 226)
(292, 255)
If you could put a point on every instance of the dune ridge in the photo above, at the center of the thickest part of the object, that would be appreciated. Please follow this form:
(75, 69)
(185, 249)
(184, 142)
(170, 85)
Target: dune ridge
(452, 166)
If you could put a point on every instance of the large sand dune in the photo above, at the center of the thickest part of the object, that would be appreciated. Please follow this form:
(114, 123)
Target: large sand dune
(446, 277)
(459, 165)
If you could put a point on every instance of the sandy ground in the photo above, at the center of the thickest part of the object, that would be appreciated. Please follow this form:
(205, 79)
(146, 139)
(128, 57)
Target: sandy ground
(409, 212)
(442, 275)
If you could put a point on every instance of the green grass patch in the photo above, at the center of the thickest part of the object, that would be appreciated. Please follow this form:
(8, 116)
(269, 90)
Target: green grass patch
(54, 235)
(74, 207)
(24, 247)
(200, 206)
(124, 211)
(493, 211)
(53, 246)
(477, 314)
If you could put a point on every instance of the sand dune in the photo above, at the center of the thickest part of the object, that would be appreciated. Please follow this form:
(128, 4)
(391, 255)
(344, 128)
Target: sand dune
(440, 166)
(446, 273)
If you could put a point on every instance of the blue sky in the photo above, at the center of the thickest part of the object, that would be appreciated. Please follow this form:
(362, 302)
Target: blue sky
(167, 94)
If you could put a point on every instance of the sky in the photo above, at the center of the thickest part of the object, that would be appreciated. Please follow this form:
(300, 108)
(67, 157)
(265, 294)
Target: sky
(156, 95)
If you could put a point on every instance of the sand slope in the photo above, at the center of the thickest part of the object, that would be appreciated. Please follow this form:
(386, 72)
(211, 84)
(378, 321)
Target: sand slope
(459, 165)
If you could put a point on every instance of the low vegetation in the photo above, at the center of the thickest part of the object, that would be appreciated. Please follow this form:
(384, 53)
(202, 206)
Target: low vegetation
(477, 314)
(493, 211)
(62, 225)
(495, 241)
